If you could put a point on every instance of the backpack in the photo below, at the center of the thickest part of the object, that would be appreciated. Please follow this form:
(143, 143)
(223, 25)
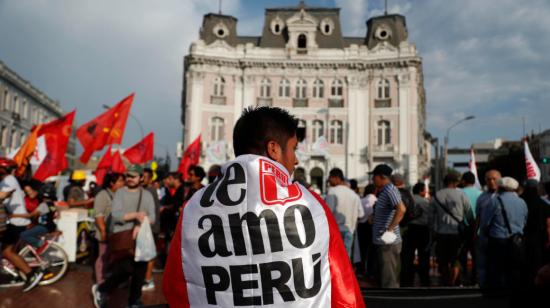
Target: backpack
(413, 211)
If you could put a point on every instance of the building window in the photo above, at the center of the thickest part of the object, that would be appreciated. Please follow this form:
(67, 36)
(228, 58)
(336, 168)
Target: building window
(317, 130)
(4, 135)
(14, 141)
(219, 85)
(217, 129)
(302, 126)
(25, 110)
(318, 88)
(384, 89)
(284, 88)
(337, 88)
(6, 105)
(336, 132)
(384, 132)
(16, 104)
(302, 41)
(265, 88)
(301, 88)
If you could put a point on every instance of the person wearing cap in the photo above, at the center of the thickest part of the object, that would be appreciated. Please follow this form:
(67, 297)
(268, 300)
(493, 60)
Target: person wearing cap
(388, 213)
(131, 204)
(450, 209)
(507, 209)
(76, 197)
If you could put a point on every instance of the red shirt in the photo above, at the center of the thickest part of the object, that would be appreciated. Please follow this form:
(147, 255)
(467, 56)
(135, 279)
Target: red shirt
(31, 204)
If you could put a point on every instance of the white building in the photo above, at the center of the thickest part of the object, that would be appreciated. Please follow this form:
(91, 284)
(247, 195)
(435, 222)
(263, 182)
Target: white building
(364, 95)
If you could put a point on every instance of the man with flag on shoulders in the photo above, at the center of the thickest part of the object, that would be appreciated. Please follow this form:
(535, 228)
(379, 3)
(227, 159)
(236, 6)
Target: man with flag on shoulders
(296, 258)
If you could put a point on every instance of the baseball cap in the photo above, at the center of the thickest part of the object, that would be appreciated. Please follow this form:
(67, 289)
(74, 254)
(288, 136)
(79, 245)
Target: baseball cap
(382, 169)
(135, 169)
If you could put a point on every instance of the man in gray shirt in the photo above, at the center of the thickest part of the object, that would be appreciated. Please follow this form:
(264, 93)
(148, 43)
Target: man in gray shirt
(131, 204)
(450, 207)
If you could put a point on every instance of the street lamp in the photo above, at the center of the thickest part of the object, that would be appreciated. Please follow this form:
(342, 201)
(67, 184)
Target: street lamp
(446, 141)
(133, 117)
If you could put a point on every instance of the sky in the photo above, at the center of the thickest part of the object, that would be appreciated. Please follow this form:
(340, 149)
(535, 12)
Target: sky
(485, 58)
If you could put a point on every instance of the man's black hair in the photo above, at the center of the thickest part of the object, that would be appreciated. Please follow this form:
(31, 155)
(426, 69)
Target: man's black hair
(259, 125)
(369, 190)
(176, 175)
(469, 178)
(199, 171)
(451, 178)
(111, 178)
(418, 187)
(336, 172)
(148, 170)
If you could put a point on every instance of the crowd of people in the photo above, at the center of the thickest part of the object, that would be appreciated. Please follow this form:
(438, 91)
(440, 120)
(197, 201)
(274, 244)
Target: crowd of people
(498, 237)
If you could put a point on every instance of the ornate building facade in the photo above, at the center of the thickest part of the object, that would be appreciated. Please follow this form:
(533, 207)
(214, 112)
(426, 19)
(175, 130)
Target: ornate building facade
(360, 100)
(21, 107)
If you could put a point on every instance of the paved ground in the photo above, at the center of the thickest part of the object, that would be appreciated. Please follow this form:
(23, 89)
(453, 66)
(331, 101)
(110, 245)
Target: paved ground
(73, 291)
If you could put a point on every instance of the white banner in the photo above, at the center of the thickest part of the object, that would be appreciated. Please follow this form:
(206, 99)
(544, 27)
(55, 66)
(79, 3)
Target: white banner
(216, 152)
(533, 171)
(320, 147)
(473, 167)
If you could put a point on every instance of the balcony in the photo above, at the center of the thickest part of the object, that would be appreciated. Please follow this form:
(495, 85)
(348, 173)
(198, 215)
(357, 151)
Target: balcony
(217, 100)
(384, 150)
(382, 103)
(336, 102)
(264, 101)
(299, 102)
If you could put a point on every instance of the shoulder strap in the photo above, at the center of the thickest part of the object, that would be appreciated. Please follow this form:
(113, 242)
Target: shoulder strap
(446, 209)
(504, 215)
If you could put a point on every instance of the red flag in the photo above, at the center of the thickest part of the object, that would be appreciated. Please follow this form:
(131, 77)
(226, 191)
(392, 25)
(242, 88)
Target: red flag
(142, 151)
(107, 128)
(57, 134)
(109, 163)
(190, 157)
(118, 164)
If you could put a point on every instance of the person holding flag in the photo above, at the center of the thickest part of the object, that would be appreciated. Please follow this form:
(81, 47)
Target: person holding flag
(219, 255)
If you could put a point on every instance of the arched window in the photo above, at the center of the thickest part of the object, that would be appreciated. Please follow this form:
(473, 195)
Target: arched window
(5, 137)
(302, 41)
(219, 85)
(25, 110)
(284, 88)
(6, 105)
(265, 88)
(384, 89)
(301, 88)
(318, 88)
(317, 130)
(384, 132)
(337, 88)
(217, 127)
(16, 104)
(14, 141)
(336, 132)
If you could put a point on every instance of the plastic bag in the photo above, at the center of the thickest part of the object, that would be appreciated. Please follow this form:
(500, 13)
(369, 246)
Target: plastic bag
(145, 244)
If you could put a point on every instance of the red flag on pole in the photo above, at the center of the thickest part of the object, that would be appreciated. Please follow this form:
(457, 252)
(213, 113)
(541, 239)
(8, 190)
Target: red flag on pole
(118, 164)
(142, 151)
(107, 128)
(103, 166)
(190, 157)
(57, 134)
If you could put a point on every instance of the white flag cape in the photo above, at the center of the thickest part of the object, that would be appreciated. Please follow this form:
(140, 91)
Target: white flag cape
(533, 171)
(473, 168)
(253, 238)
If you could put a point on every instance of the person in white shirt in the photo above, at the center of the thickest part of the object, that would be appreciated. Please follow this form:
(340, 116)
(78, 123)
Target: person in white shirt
(347, 209)
(15, 204)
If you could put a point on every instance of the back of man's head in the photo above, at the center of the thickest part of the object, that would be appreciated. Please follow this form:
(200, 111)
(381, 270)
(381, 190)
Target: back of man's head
(468, 178)
(259, 125)
(336, 173)
(199, 172)
(451, 179)
(418, 188)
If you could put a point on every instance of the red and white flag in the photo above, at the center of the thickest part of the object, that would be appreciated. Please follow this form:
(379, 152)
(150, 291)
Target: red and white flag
(223, 255)
(473, 167)
(533, 171)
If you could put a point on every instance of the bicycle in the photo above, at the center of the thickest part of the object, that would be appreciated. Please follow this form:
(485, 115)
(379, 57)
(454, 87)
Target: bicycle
(50, 258)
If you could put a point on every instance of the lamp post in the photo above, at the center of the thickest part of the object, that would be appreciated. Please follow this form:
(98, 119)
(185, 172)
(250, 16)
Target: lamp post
(133, 117)
(446, 141)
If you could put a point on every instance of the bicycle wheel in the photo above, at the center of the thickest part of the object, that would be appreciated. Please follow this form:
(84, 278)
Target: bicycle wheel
(54, 262)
